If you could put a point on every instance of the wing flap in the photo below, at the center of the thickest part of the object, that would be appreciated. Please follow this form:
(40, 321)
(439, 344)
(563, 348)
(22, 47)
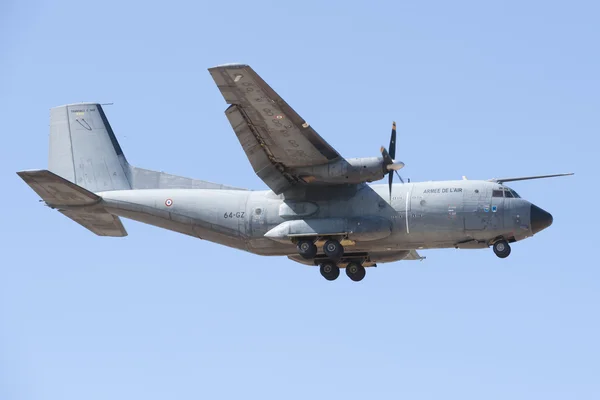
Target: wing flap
(274, 137)
(258, 152)
(290, 138)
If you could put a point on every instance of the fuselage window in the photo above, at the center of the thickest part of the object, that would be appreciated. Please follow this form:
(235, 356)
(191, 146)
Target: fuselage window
(508, 193)
(497, 193)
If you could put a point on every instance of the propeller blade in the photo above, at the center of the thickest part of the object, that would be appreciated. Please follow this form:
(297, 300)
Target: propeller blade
(399, 177)
(390, 181)
(386, 156)
(392, 146)
(388, 159)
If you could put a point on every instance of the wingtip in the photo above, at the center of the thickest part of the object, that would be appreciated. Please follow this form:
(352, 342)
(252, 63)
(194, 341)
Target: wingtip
(229, 65)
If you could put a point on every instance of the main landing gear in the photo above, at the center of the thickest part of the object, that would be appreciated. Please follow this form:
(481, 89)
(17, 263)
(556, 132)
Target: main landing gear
(501, 248)
(333, 249)
(355, 271)
(330, 270)
(334, 253)
(307, 249)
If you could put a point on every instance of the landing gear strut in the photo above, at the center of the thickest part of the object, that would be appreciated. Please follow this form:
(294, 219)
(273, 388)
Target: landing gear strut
(330, 270)
(501, 248)
(333, 250)
(355, 271)
(307, 249)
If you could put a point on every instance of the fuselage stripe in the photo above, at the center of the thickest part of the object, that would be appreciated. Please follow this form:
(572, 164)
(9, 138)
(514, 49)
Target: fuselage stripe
(406, 211)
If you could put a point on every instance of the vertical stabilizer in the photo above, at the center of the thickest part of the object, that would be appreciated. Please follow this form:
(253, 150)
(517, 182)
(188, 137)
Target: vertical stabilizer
(84, 149)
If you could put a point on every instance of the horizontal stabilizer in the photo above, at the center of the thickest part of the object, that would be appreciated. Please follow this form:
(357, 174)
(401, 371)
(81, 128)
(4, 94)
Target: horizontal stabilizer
(57, 191)
(98, 221)
(66, 196)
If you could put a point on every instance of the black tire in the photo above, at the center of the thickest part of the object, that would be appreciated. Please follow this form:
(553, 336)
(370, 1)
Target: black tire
(307, 249)
(330, 270)
(333, 250)
(355, 271)
(501, 248)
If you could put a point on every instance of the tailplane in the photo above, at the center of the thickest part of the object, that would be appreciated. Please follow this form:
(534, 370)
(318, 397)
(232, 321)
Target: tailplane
(73, 201)
(85, 159)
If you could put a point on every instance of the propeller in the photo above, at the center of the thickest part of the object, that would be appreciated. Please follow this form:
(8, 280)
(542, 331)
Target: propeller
(388, 160)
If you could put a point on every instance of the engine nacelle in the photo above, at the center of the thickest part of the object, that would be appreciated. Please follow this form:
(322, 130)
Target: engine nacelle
(353, 170)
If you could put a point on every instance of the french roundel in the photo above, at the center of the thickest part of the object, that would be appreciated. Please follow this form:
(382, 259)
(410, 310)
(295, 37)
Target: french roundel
(168, 202)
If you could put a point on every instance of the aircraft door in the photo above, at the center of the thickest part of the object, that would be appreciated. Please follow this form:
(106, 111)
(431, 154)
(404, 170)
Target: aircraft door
(258, 221)
(476, 208)
(497, 209)
(401, 205)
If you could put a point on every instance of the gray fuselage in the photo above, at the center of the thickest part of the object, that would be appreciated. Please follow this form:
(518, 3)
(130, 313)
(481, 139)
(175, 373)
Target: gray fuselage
(443, 214)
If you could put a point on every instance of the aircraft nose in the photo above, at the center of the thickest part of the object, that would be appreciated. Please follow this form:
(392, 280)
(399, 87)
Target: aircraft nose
(540, 219)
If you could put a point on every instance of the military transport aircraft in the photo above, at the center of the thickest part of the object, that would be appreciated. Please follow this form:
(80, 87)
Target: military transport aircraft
(318, 211)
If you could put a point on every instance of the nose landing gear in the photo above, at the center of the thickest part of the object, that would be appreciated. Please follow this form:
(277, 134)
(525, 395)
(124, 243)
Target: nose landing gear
(501, 248)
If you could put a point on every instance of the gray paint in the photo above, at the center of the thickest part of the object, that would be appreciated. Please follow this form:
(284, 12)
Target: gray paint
(314, 191)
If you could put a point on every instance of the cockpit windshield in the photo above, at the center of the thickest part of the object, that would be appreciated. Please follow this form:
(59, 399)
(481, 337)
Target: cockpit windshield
(509, 193)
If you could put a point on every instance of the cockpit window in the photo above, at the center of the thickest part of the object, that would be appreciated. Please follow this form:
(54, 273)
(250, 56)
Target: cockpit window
(497, 193)
(508, 193)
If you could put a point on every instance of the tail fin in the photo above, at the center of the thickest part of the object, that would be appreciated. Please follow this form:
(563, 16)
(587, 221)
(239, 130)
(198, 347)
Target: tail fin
(86, 158)
(84, 149)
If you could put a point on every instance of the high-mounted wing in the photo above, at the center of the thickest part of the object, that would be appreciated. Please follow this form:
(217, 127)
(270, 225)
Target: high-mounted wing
(274, 137)
(526, 178)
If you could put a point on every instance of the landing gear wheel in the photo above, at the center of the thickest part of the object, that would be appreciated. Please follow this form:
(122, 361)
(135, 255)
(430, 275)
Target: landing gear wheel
(330, 271)
(501, 248)
(355, 271)
(333, 249)
(307, 249)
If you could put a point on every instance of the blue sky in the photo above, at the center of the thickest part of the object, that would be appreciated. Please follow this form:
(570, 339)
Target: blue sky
(482, 89)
